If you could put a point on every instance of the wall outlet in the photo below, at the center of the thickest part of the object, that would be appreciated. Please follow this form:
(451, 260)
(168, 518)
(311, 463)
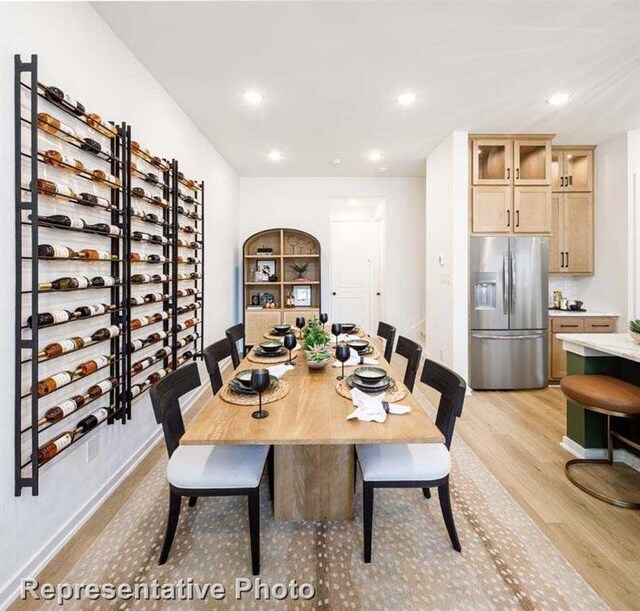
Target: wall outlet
(92, 448)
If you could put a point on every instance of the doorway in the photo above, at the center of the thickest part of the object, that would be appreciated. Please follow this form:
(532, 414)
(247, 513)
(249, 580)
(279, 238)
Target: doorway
(357, 247)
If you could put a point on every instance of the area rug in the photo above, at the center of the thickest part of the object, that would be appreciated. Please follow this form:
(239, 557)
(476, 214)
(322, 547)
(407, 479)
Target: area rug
(506, 560)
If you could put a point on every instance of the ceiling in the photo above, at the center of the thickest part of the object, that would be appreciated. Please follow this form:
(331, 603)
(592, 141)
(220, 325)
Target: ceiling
(331, 72)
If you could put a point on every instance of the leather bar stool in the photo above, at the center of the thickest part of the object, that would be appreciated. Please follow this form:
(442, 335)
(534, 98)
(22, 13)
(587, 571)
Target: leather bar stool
(614, 398)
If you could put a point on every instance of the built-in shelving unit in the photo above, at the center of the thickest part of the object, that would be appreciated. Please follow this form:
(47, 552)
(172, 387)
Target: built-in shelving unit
(269, 278)
(109, 272)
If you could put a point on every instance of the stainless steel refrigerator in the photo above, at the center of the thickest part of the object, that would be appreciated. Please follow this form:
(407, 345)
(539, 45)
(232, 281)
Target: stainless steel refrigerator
(508, 341)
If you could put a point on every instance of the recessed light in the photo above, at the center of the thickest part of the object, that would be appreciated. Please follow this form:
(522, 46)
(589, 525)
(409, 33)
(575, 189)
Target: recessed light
(558, 99)
(275, 156)
(407, 98)
(252, 97)
(383, 169)
(375, 155)
(336, 161)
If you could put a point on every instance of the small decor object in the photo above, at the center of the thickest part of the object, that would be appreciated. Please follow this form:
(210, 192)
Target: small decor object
(634, 330)
(316, 344)
(343, 352)
(264, 250)
(290, 342)
(265, 268)
(260, 380)
(302, 295)
(273, 278)
(300, 269)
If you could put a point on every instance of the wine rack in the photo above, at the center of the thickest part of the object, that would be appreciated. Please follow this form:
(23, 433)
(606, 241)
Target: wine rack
(106, 299)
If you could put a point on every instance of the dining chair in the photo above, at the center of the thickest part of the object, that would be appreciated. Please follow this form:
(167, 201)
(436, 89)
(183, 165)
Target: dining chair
(411, 351)
(234, 335)
(213, 354)
(417, 465)
(204, 470)
(388, 333)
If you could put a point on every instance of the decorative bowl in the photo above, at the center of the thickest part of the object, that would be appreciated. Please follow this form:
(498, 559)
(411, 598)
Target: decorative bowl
(318, 364)
(271, 346)
(634, 336)
(281, 329)
(244, 377)
(370, 375)
(348, 327)
(359, 345)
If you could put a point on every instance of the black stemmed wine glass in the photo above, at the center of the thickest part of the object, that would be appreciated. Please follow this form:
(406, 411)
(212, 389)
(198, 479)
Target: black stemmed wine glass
(336, 329)
(343, 352)
(300, 323)
(324, 319)
(260, 382)
(290, 343)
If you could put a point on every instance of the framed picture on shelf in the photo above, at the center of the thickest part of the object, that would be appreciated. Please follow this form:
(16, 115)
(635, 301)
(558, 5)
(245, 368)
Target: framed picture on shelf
(302, 295)
(264, 269)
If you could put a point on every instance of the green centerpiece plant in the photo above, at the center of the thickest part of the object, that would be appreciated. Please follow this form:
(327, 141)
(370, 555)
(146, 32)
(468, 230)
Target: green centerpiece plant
(634, 330)
(315, 342)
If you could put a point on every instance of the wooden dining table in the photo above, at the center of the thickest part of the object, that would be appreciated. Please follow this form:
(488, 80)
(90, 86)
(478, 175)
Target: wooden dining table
(312, 438)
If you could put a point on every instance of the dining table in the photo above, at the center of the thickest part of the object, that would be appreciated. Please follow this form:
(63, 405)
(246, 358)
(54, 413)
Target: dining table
(314, 457)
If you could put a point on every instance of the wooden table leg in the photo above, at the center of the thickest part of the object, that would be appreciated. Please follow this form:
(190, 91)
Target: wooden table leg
(313, 482)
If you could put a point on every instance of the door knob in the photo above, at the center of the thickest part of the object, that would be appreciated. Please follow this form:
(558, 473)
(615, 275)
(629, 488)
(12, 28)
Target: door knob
(333, 293)
(378, 293)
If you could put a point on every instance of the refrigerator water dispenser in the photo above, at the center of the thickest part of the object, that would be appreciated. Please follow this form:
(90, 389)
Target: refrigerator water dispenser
(484, 290)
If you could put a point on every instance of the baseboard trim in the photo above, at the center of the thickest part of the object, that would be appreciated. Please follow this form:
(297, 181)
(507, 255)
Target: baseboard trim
(619, 455)
(66, 532)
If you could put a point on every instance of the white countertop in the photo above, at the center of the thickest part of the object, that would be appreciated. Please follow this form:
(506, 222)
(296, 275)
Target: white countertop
(601, 344)
(587, 314)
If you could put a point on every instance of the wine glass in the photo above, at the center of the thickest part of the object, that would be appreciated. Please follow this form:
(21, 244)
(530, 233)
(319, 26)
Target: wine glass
(336, 329)
(343, 352)
(324, 318)
(260, 380)
(300, 323)
(290, 343)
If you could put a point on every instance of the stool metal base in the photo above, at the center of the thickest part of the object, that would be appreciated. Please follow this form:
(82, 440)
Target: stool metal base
(592, 491)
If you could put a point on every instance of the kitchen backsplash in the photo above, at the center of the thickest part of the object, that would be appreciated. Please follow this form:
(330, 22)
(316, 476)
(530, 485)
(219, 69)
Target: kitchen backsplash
(569, 285)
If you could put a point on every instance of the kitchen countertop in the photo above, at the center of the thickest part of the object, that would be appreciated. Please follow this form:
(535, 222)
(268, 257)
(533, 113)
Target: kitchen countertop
(601, 344)
(587, 314)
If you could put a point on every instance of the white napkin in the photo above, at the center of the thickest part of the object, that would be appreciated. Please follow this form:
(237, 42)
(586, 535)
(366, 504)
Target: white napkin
(279, 370)
(354, 360)
(369, 407)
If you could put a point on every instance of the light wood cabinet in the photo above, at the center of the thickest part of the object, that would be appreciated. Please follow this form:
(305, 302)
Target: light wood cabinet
(572, 169)
(492, 161)
(556, 243)
(571, 243)
(492, 209)
(259, 322)
(532, 162)
(531, 210)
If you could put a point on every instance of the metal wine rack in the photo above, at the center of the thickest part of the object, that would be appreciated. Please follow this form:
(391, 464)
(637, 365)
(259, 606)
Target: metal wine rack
(163, 179)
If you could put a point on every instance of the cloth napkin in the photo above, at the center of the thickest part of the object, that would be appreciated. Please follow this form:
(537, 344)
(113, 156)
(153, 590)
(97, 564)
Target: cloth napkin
(279, 370)
(369, 408)
(354, 360)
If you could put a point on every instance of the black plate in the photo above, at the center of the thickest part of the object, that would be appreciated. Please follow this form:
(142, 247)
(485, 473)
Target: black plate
(384, 384)
(348, 327)
(281, 332)
(240, 389)
(260, 352)
(274, 345)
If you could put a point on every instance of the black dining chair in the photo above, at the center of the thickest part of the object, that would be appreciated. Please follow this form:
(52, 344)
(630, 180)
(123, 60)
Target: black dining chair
(416, 465)
(388, 333)
(204, 470)
(213, 354)
(234, 335)
(411, 351)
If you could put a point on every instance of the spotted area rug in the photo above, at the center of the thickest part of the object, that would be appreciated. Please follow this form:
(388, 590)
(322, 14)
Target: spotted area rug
(506, 560)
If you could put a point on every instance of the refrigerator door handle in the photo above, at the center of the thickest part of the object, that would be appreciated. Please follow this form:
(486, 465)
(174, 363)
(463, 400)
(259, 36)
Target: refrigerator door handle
(505, 285)
(512, 282)
(508, 337)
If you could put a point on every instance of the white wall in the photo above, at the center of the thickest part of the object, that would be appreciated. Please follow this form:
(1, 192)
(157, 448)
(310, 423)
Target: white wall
(110, 80)
(303, 203)
(633, 180)
(447, 259)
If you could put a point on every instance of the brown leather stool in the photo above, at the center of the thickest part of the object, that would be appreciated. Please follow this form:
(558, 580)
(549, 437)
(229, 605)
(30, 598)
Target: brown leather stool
(613, 398)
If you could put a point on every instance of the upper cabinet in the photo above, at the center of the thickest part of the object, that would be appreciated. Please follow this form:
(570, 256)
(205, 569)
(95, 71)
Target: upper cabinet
(572, 169)
(532, 162)
(493, 162)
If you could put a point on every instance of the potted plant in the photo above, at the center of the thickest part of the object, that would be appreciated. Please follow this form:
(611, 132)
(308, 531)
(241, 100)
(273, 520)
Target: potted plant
(300, 269)
(315, 342)
(634, 330)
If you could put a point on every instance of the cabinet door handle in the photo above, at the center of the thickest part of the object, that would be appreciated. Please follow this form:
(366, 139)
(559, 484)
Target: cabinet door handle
(517, 218)
(508, 173)
(518, 173)
(570, 180)
(567, 253)
(568, 326)
(562, 181)
(595, 326)
(562, 259)
(508, 218)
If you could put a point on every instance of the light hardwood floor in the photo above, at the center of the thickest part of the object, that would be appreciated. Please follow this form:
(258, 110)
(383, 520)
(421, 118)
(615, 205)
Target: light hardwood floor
(517, 436)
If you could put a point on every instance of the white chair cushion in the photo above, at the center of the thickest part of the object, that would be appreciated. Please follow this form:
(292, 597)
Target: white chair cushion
(204, 466)
(404, 462)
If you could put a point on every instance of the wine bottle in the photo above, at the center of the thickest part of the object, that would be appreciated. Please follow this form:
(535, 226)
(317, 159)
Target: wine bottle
(139, 214)
(54, 126)
(58, 97)
(194, 276)
(84, 369)
(94, 419)
(139, 192)
(93, 310)
(141, 278)
(54, 382)
(105, 229)
(91, 254)
(135, 345)
(138, 323)
(54, 317)
(64, 284)
(61, 347)
(105, 333)
(152, 178)
(104, 281)
(191, 322)
(89, 199)
(160, 164)
(141, 235)
(137, 300)
(158, 239)
(160, 201)
(163, 353)
(158, 316)
(55, 446)
(134, 257)
(106, 129)
(58, 412)
(102, 387)
(160, 278)
(102, 176)
(48, 187)
(62, 220)
(64, 162)
(156, 337)
(156, 376)
(155, 297)
(187, 228)
(156, 258)
(91, 146)
(139, 366)
(152, 218)
(136, 389)
(55, 251)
